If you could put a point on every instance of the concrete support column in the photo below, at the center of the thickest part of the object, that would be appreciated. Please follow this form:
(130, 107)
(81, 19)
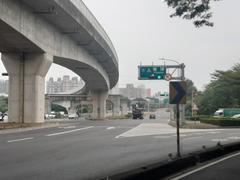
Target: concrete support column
(26, 85)
(116, 106)
(99, 104)
(73, 107)
(48, 105)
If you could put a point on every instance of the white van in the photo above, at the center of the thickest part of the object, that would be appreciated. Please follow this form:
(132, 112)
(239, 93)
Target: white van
(218, 113)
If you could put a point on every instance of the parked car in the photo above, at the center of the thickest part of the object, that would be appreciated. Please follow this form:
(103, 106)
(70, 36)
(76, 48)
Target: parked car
(49, 116)
(3, 117)
(72, 116)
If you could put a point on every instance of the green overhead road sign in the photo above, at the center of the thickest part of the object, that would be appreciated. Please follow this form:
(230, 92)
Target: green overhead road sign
(151, 72)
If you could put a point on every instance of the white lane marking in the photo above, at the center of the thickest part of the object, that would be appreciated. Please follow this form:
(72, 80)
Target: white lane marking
(66, 132)
(182, 135)
(119, 136)
(189, 138)
(162, 137)
(150, 129)
(17, 140)
(109, 128)
(235, 137)
(217, 140)
(67, 127)
(197, 133)
(214, 132)
(204, 167)
(234, 133)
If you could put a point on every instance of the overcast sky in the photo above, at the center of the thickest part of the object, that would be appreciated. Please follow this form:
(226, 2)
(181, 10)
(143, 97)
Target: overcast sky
(142, 31)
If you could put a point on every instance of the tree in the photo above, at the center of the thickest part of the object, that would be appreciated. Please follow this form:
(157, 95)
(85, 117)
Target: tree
(198, 10)
(3, 104)
(222, 92)
(58, 108)
(190, 89)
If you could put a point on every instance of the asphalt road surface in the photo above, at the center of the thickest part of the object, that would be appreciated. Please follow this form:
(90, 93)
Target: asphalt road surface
(92, 150)
(221, 169)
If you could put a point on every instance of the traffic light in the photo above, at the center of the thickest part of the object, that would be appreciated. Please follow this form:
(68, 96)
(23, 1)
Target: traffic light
(155, 76)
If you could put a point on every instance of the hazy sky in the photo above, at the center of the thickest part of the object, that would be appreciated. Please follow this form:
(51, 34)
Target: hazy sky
(142, 31)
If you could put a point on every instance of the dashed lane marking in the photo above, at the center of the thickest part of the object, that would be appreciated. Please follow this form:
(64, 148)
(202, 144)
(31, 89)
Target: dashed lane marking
(190, 138)
(67, 127)
(109, 128)
(182, 135)
(234, 133)
(162, 137)
(197, 134)
(212, 132)
(70, 131)
(234, 137)
(23, 139)
(219, 140)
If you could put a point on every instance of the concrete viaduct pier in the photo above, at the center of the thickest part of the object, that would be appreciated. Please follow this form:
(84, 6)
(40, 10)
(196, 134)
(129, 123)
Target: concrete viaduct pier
(35, 34)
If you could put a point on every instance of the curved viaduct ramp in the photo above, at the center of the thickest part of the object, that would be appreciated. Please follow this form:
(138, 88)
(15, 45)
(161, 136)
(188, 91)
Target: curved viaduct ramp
(33, 34)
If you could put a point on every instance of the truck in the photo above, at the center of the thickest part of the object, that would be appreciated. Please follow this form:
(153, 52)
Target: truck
(137, 113)
(227, 112)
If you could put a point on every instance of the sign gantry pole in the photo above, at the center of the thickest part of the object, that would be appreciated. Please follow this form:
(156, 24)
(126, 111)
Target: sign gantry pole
(178, 96)
(177, 89)
(178, 133)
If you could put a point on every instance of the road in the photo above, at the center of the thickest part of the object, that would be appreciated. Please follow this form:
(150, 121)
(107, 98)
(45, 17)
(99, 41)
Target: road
(92, 150)
(223, 168)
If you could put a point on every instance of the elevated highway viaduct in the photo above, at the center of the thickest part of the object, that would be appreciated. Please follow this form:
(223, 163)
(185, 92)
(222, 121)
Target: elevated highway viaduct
(35, 34)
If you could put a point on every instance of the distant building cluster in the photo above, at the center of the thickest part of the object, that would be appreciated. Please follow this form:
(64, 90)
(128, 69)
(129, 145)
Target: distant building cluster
(64, 84)
(135, 92)
(3, 86)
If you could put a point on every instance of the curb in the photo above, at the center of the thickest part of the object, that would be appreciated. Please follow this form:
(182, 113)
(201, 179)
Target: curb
(27, 128)
(167, 168)
(158, 170)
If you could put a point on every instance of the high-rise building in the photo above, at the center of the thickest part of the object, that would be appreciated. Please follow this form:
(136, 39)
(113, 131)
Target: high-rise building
(64, 84)
(135, 92)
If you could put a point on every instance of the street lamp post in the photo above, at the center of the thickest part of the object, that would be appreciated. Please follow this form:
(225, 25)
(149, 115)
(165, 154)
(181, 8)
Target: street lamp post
(181, 66)
(165, 59)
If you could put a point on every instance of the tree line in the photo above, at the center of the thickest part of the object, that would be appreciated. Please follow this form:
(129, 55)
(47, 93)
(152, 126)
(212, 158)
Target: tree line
(222, 92)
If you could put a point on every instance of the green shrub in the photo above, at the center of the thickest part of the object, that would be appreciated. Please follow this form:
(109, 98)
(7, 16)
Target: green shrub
(222, 121)
(129, 115)
(196, 118)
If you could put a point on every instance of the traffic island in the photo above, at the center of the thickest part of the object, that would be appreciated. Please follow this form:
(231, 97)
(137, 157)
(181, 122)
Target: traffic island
(194, 125)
